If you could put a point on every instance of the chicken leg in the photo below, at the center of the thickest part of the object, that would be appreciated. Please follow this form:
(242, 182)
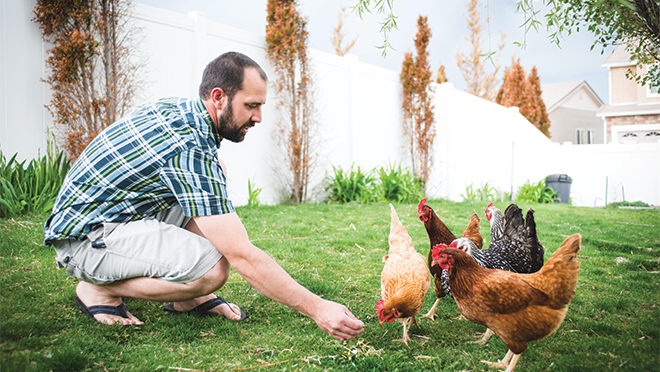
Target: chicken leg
(431, 314)
(507, 362)
(484, 339)
(406, 325)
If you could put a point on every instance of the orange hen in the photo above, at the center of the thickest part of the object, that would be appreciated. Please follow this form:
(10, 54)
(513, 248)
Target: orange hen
(519, 308)
(405, 279)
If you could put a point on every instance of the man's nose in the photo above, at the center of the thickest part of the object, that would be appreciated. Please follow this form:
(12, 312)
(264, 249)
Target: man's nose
(256, 117)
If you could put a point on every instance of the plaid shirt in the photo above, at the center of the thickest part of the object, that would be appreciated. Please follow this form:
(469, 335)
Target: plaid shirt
(159, 155)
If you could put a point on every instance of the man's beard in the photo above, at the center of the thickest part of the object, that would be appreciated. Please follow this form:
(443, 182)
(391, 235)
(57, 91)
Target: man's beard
(228, 128)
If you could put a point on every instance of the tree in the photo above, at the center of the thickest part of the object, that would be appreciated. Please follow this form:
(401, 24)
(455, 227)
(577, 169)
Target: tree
(636, 23)
(479, 82)
(93, 75)
(633, 22)
(287, 37)
(441, 77)
(418, 118)
(388, 24)
(524, 92)
(338, 35)
(539, 113)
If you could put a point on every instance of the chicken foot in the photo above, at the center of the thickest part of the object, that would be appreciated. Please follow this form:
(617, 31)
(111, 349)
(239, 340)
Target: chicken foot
(406, 325)
(431, 314)
(507, 362)
(487, 335)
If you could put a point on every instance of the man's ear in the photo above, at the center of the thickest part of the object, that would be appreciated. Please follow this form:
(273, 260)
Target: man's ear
(218, 98)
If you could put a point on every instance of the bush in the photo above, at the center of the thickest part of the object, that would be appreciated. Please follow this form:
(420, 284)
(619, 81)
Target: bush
(32, 189)
(352, 186)
(536, 193)
(399, 186)
(253, 195)
(485, 193)
(391, 183)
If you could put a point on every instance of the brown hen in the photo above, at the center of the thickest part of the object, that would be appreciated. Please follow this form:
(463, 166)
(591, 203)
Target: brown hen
(519, 308)
(440, 234)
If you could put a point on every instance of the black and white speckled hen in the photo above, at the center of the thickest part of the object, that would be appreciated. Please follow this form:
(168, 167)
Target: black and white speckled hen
(517, 248)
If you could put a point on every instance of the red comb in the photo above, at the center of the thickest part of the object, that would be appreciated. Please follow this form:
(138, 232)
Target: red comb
(421, 204)
(436, 250)
(453, 244)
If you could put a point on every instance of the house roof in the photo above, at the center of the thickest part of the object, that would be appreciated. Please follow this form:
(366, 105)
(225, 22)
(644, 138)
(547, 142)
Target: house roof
(554, 94)
(619, 57)
(629, 110)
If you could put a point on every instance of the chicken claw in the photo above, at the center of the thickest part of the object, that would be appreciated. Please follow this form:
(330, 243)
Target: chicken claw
(484, 339)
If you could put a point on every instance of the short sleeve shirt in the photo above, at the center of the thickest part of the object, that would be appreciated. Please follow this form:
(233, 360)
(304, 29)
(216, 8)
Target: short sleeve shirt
(159, 155)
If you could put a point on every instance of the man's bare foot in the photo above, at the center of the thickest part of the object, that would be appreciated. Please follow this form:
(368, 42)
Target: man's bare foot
(228, 310)
(91, 295)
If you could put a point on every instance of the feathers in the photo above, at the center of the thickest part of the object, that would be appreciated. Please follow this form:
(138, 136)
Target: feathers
(405, 279)
(514, 244)
(519, 308)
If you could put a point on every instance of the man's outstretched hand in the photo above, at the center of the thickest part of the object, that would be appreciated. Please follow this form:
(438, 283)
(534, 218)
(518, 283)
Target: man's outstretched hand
(337, 321)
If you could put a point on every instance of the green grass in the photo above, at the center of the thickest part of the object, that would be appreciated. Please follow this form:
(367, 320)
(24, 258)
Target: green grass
(336, 250)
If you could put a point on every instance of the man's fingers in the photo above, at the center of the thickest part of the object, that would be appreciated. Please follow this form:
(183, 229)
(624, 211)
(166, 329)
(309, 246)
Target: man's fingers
(353, 322)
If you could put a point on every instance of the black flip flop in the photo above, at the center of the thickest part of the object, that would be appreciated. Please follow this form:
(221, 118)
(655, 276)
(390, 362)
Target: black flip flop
(120, 310)
(203, 309)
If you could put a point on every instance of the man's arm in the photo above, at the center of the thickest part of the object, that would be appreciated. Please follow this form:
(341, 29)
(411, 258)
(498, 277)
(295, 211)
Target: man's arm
(227, 233)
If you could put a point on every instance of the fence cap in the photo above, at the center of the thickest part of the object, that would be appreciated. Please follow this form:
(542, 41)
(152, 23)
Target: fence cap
(563, 178)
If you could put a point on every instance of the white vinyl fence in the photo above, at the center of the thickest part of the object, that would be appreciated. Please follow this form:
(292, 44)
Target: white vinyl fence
(359, 106)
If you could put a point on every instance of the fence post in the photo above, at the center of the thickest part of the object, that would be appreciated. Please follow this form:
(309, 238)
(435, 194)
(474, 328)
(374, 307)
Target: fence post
(353, 96)
(200, 44)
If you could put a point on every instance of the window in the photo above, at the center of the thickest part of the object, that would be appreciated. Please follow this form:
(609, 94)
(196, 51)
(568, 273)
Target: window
(590, 136)
(579, 136)
(652, 91)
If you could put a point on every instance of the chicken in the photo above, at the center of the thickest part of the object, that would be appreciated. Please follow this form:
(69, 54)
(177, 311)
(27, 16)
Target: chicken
(519, 308)
(404, 280)
(514, 243)
(439, 233)
(495, 217)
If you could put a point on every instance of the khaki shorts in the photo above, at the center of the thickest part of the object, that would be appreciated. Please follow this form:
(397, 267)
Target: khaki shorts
(157, 247)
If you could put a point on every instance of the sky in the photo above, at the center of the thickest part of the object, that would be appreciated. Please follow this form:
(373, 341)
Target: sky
(572, 60)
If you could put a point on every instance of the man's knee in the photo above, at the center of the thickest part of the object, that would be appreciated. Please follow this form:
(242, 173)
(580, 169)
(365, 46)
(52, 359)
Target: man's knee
(215, 278)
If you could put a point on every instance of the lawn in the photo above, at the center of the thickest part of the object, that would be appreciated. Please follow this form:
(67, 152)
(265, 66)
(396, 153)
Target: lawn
(336, 250)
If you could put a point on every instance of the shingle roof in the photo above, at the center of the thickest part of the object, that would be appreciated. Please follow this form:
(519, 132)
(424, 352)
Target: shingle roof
(555, 93)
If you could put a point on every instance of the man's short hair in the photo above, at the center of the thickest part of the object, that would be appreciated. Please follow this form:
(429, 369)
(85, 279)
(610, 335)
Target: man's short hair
(226, 72)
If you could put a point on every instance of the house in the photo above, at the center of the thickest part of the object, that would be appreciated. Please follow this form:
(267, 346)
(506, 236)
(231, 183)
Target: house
(572, 107)
(633, 114)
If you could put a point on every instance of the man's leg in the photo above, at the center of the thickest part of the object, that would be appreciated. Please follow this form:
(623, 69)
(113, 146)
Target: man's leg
(152, 259)
(185, 296)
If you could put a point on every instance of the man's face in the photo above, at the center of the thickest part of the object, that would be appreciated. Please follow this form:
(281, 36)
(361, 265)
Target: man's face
(243, 110)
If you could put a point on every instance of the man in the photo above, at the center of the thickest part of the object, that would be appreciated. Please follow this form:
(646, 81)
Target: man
(143, 212)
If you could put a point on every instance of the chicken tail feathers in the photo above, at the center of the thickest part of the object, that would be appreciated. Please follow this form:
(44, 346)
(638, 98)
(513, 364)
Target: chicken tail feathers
(472, 231)
(513, 220)
(561, 271)
(531, 225)
(399, 239)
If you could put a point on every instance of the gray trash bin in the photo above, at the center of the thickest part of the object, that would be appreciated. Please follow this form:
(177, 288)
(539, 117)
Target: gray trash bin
(561, 183)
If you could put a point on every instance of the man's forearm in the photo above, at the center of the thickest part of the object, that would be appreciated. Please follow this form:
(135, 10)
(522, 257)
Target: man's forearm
(271, 280)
